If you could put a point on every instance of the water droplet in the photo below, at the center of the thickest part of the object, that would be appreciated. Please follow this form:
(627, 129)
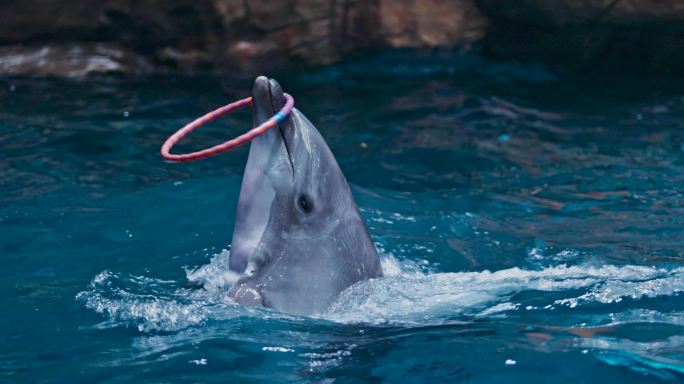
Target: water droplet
(277, 349)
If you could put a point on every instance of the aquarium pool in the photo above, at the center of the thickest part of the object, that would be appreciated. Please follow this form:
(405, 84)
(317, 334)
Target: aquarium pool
(529, 224)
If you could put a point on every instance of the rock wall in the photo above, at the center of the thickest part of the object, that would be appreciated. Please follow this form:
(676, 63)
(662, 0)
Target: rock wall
(80, 37)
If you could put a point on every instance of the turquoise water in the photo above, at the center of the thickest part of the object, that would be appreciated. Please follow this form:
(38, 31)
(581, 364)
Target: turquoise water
(530, 226)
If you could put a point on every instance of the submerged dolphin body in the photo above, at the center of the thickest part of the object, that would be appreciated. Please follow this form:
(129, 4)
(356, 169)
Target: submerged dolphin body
(299, 239)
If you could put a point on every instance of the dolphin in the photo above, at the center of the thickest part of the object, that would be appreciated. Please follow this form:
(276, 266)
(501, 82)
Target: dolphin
(299, 239)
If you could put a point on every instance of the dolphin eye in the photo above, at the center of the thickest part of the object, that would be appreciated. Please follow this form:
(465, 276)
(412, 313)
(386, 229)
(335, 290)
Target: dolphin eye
(304, 204)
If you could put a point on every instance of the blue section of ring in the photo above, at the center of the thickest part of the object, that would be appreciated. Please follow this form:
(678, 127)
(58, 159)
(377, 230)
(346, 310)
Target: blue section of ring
(278, 117)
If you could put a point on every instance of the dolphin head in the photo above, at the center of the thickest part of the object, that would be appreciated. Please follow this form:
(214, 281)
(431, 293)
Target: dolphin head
(299, 239)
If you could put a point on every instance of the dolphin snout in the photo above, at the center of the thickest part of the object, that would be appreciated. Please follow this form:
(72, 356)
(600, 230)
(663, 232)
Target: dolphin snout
(267, 98)
(267, 166)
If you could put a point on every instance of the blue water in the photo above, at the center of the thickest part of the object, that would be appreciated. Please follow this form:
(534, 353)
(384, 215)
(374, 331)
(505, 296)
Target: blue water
(529, 223)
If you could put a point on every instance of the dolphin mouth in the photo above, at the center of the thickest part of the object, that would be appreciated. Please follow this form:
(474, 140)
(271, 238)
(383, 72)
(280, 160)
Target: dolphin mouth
(289, 157)
(287, 150)
(270, 167)
(267, 99)
(276, 94)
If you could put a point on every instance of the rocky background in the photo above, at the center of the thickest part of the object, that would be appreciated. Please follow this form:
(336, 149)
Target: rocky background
(81, 37)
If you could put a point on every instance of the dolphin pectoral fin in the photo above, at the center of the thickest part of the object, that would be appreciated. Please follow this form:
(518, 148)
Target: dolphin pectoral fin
(245, 294)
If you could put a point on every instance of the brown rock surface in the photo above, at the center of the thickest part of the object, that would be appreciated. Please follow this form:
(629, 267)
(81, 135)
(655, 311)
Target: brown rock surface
(430, 23)
(81, 37)
(70, 60)
(248, 36)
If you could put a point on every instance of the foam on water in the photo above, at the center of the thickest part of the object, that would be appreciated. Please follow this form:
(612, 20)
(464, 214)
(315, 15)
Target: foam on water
(215, 276)
(416, 298)
(409, 298)
(127, 300)
(405, 296)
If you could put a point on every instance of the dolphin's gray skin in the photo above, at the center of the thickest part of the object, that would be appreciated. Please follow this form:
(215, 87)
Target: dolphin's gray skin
(299, 239)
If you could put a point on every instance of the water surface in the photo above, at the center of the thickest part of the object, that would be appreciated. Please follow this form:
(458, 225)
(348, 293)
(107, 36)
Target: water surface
(530, 226)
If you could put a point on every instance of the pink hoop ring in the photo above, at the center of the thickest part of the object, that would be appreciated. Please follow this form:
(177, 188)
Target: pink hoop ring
(230, 144)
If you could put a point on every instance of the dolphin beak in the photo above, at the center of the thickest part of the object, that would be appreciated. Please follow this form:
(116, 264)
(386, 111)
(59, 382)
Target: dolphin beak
(269, 168)
(267, 99)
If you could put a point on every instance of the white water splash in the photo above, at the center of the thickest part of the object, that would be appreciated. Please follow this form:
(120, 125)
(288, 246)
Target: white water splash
(613, 291)
(404, 296)
(408, 297)
(136, 305)
(415, 298)
(215, 276)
